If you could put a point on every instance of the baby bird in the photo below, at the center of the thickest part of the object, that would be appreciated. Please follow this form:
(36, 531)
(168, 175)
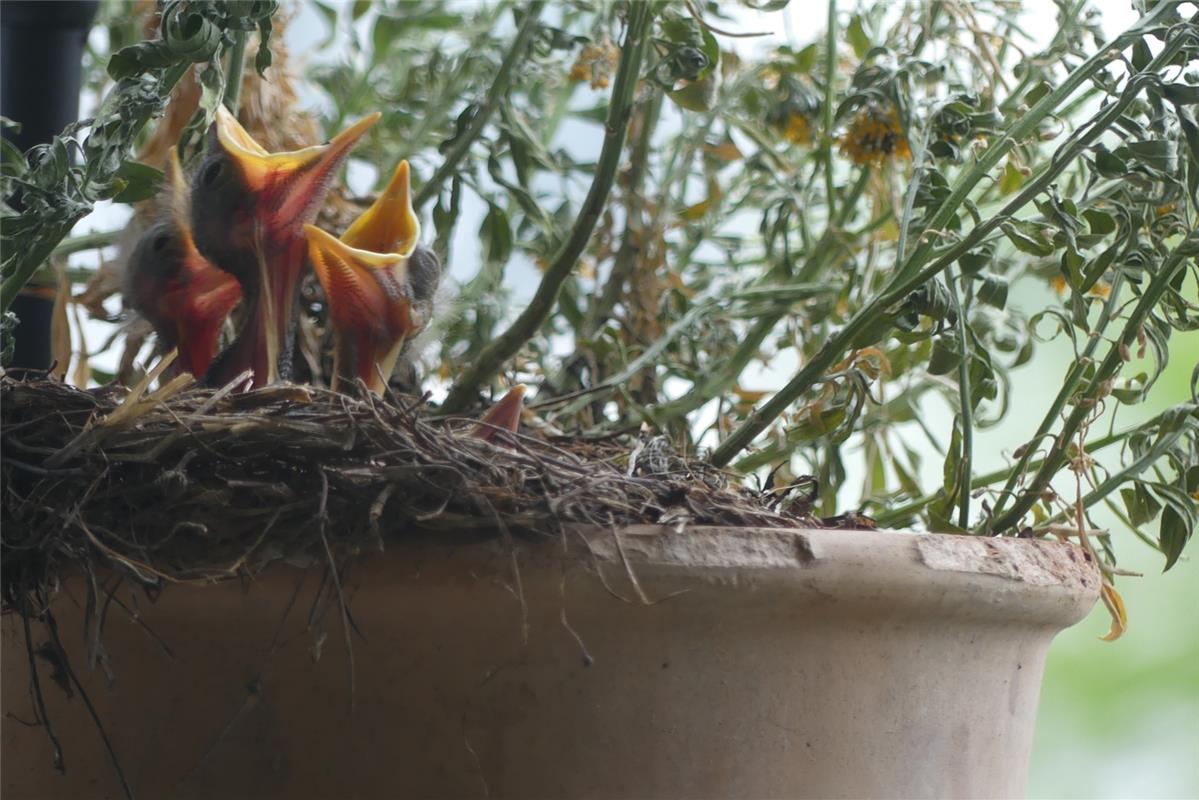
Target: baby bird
(175, 288)
(379, 283)
(248, 212)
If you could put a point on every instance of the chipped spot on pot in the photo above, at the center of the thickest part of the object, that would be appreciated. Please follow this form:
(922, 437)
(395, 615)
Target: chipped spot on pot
(709, 547)
(1039, 563)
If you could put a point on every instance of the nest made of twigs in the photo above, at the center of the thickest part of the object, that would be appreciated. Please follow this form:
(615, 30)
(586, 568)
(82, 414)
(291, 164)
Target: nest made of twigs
(187, 483)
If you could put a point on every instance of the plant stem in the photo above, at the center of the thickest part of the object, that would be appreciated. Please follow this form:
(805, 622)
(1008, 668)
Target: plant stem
(498, 90)
(966, 411)
(86, 241)
(751, 344)
(1107, 370)
(25, 267)
(1027, 124)
(894, 515)
(1073, 377)
(507, 344)
(1162, 445)
(626, 257)
(830, 79)
(911, 275)
(237, 63)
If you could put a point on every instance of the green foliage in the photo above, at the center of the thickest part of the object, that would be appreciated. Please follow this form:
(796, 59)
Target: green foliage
(867, 206)
(59, 183)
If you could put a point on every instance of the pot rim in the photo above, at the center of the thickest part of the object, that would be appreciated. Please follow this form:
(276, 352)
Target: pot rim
(985, 579)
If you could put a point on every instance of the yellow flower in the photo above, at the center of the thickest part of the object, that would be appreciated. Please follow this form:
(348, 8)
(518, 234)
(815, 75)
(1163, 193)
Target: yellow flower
(579, 72)
(796, 129)
(875, 135)
(1099, 289)
(595, 64)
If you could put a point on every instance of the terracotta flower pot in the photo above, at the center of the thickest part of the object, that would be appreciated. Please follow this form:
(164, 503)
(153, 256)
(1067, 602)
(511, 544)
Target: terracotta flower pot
(645, 663)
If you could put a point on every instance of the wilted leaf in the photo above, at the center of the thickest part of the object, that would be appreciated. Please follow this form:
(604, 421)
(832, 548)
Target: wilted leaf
(1030, 237)
(1115, 607)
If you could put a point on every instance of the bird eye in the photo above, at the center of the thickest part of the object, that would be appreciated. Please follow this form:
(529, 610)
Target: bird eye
(212, 173)
(161, 242)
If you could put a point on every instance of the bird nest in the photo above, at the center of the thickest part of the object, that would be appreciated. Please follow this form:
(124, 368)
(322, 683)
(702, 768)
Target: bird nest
(188, 483)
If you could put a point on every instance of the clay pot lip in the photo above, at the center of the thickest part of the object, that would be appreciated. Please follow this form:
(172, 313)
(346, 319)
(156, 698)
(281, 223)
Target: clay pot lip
(985, 579)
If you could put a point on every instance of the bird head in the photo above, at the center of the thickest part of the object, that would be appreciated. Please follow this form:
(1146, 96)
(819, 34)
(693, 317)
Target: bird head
(379, 284)
(248, 211)
(183, 296)
(175, 288)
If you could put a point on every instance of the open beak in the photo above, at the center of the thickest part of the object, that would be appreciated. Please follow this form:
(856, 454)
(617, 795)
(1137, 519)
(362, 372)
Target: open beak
(287, 191)
(370, 307)
(390, 225)
(503, 416)
(288, 187)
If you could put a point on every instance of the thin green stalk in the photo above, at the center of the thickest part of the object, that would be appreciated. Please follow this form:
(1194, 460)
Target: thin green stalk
(751, 344)
(626, 256)
(1027, 124)
(1161, 446)
(1069, 385)
(966, 412)
(830, 81)
(86, 241)
(648, 357)
(237, 63)
(1107, 370)
(1031, 75)
(911, 275)
(44, 245)
(893, 515)
(507, 344)
(498, 90)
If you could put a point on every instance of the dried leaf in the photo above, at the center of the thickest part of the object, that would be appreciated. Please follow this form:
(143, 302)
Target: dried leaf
(60, 328)
(1115, 607)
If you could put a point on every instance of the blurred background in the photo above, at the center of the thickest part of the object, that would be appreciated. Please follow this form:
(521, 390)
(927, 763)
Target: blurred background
(1117, 719)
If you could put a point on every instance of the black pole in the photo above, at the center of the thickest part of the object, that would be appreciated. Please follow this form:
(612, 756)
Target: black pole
(41, 60)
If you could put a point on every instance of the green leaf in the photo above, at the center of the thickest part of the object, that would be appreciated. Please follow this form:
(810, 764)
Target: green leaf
(1158, 154)
(1034, 238)
(993, 291)
(1180, 514)
(856, 34)
(263, 58)
(140, 182)
(977, 260)
(387, 29)
(1011, 180)
(945, 355)
(1034, 95)
(1100, 222)
(1173, 536)
(1141, 506)
(330, 15)
(497, 232)
(698, 95)
(805, 59)
(1108, 164)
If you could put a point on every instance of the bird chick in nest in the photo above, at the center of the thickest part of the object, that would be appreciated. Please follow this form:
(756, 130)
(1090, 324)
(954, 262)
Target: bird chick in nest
(380, 284)
(179, 292)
